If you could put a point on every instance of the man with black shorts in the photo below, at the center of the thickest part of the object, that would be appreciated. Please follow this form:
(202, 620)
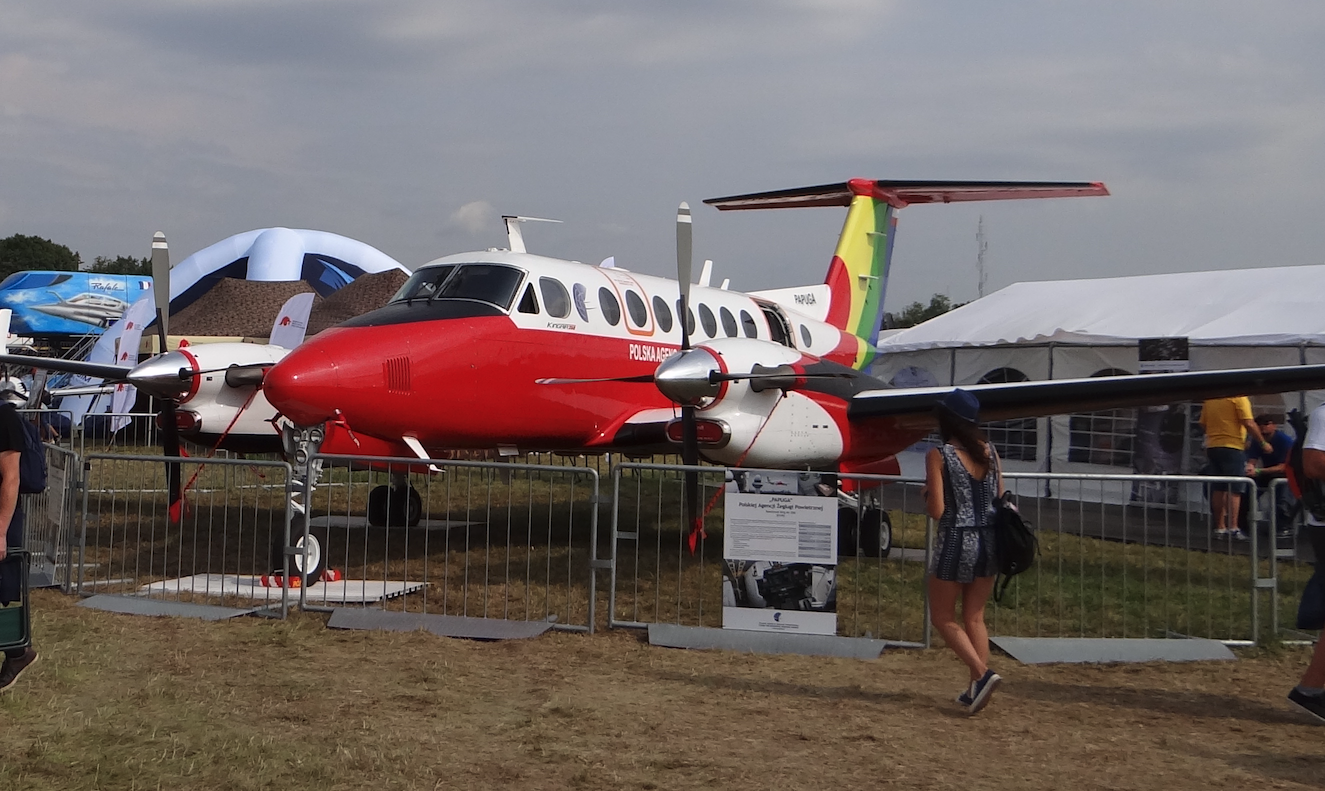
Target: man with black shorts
(1309, 694)
(1227, 421)
(11, 522)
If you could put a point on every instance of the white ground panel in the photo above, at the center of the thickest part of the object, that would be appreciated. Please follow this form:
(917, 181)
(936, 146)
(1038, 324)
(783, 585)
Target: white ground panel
(250, 587)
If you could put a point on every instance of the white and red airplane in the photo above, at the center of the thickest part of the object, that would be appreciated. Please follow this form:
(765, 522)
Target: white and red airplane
(506, 349)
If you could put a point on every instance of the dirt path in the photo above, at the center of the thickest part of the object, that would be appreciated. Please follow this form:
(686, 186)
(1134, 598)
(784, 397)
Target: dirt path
(123, 702)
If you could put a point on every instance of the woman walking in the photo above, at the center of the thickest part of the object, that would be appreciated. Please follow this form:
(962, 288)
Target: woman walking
(962, 480)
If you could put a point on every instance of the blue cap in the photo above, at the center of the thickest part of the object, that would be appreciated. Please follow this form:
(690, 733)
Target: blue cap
(961, 405)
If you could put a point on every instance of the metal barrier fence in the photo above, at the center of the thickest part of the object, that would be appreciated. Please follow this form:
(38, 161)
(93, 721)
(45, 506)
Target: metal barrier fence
(658, 578)
(215, 551)
(480, 539)
(1105, 570)
(49, 519)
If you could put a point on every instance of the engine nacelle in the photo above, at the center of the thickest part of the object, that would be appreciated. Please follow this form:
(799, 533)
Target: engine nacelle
(768, 427)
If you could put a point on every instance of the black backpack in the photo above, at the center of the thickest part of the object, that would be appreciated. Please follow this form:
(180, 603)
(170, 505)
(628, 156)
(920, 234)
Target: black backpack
(32, 457)
(1014, 542)
(1309, 491)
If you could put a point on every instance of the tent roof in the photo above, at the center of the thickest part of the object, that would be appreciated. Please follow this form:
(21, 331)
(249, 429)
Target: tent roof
(1273, 306)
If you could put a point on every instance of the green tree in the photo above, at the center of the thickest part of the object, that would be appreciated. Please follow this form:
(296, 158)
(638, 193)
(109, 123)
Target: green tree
(916, 312)
(20, 253)
(121, 265)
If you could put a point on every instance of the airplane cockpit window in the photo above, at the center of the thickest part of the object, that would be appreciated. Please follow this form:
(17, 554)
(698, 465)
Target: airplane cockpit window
(748, 325)
(581, 294)
(555, 298)
(611, 308)
(728, 322)
(528, 303)
(423, 284)
(493, 283)
(639, 313)
(805, 336)
(706, 320)
(663, 313)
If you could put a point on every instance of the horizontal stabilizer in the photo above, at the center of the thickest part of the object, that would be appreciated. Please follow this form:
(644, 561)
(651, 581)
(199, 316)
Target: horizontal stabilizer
(1064, 396)
(899, 194)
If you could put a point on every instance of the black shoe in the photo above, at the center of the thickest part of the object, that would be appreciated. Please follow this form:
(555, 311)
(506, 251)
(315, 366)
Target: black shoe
(965, 699)
(1311, 704)
(13, 668)
(983, 690)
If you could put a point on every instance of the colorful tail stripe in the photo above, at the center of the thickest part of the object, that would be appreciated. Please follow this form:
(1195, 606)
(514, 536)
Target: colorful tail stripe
(858, 275)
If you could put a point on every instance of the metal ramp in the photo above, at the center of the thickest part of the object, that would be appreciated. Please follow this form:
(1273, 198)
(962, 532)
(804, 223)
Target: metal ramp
(442, 625)
(134, 605)
(1102, 650)
(674, 636)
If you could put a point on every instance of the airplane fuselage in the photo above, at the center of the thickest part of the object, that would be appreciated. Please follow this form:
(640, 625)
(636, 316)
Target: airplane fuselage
(459, 369)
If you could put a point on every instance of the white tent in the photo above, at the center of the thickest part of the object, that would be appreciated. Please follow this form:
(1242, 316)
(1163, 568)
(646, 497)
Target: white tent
(1078, 328)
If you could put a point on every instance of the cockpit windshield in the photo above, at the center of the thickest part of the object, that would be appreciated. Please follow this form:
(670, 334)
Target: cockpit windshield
(423, 283)
(495, 284)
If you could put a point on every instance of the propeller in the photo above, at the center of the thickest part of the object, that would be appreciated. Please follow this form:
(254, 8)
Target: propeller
(169, 421)
(689, 432)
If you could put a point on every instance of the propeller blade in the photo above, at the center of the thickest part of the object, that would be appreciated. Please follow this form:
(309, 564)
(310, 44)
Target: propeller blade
(554, 381)
(684, 252)
(161, 280)
(718, 376)
(170, 438)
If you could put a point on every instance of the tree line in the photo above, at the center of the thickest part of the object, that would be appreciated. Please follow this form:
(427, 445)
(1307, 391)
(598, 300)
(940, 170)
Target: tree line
(19, 253)
(917, 312)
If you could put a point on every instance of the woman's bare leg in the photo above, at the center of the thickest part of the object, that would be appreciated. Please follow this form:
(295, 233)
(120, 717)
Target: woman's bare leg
(974, 597)
(943, 597)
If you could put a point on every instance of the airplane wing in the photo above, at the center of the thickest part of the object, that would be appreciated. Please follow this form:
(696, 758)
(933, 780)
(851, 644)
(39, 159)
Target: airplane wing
(98, 370)
(904, 193)
(1063, 396)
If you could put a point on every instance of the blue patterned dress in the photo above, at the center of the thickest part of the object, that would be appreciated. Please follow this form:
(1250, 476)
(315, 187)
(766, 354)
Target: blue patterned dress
(964, 544)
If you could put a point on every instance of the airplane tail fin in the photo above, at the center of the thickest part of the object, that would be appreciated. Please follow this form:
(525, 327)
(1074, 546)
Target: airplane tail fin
(857, 277)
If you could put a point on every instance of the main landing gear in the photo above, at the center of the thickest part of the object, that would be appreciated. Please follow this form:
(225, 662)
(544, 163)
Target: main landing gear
(866, 532)
(395, 505)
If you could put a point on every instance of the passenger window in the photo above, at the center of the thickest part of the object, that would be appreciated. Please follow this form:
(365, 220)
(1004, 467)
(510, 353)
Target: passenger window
(728, 322)
(707, 321)
(663, 313)
(528, 303)
(555, 298)
(581, 294)
(639, 314)
(611, 308)
(748, 324)
(690, 318)
(805, 336)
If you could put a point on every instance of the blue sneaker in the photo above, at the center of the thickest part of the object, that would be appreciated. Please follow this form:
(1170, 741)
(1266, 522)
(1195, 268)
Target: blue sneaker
(983, 690)
(1311, 704)
(964, 700)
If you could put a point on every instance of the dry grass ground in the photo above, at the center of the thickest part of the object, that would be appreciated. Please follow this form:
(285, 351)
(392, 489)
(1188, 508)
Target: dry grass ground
(121, 702)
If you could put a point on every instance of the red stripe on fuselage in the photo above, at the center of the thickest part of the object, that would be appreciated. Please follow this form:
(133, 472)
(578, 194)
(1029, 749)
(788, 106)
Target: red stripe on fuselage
(472, 383)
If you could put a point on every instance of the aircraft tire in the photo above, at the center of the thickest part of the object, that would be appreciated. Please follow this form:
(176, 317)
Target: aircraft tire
(876, 534)
(388, 509)
(317, 554)
(848, 535)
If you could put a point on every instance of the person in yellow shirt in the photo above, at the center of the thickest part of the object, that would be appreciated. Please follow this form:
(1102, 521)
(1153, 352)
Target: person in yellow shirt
(1226, 422)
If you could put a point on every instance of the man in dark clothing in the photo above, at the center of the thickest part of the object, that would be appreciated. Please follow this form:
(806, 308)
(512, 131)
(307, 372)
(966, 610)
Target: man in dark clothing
(11, 525)
(1267, 466)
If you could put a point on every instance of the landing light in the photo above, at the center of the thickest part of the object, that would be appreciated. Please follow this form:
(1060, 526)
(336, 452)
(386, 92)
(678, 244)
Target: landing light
(713, 433)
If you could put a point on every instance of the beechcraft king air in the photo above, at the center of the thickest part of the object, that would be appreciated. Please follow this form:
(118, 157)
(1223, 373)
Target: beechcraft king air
(503, 349)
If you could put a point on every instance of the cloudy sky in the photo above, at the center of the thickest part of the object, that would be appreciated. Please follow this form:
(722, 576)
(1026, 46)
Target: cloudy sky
(413, 125)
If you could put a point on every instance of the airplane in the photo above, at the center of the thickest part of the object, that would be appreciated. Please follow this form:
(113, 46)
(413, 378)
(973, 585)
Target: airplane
(519, 352)
(98, 310)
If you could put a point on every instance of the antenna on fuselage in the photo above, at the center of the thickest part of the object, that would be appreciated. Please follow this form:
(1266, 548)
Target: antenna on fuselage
(514, 238)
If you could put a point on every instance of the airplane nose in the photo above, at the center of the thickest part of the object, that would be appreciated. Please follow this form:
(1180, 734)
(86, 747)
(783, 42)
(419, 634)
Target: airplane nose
(302, 386)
